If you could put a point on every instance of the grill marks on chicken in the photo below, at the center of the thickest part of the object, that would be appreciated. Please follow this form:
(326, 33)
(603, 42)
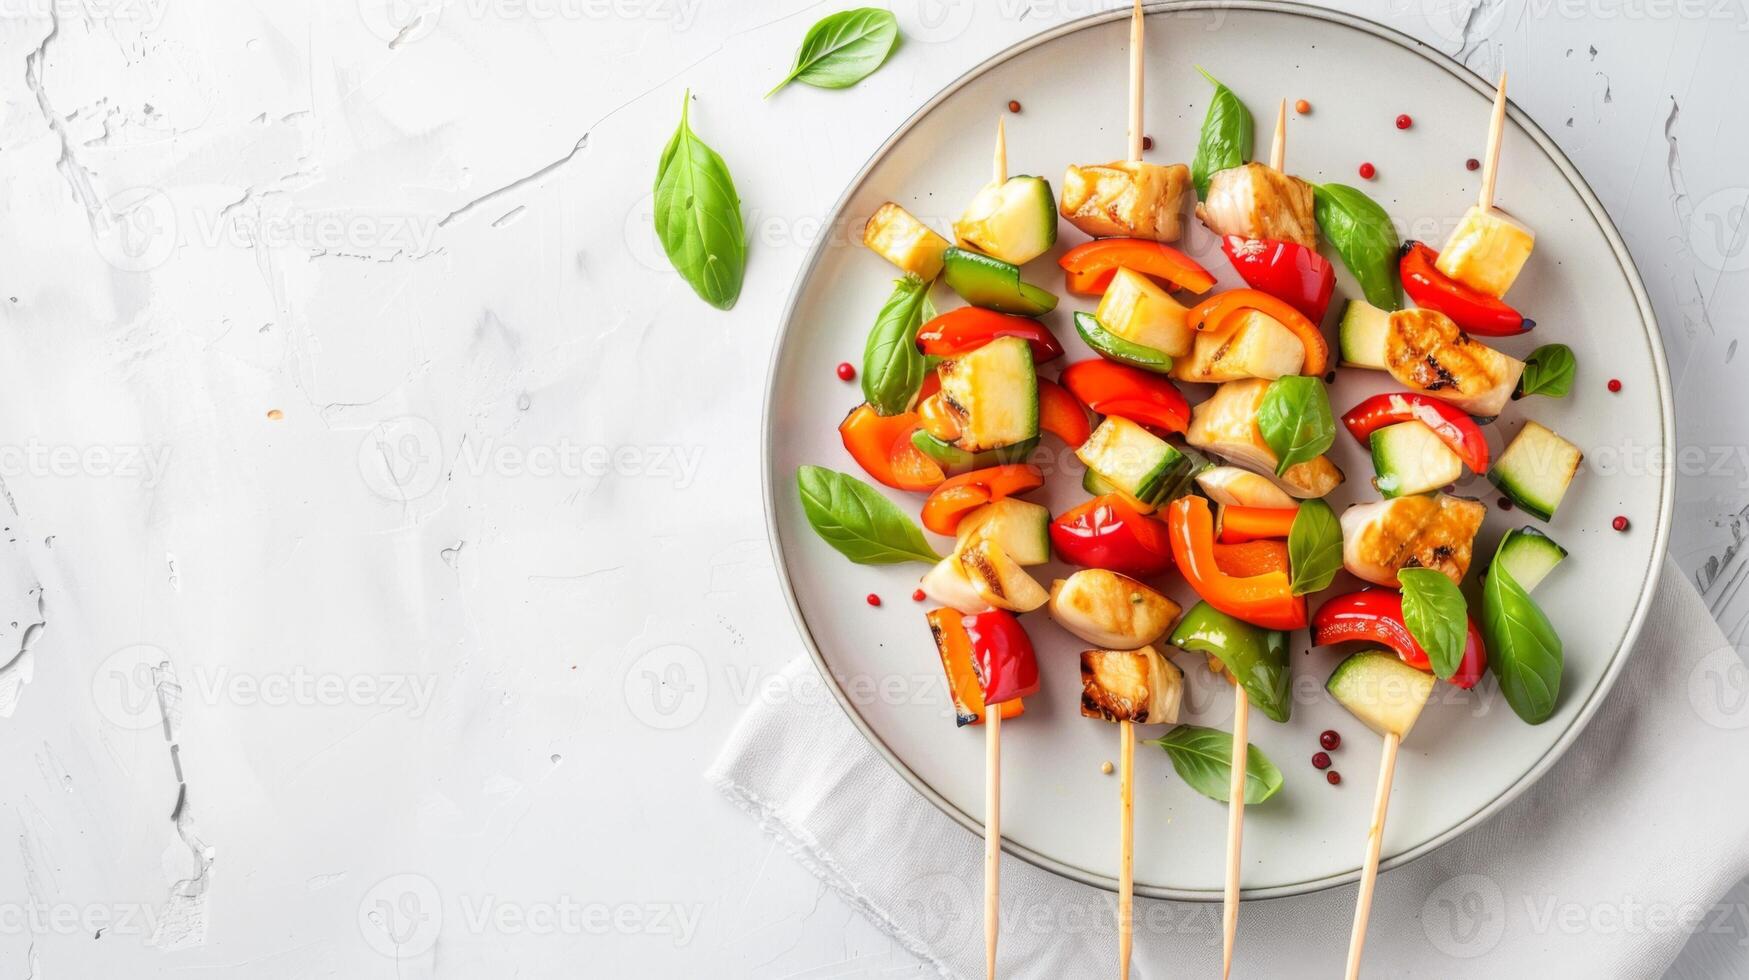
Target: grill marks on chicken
(1256, 201)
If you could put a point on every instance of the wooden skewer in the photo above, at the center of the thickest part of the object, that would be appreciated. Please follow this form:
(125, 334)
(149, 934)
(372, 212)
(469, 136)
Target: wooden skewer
(1278, 146)
(1235, 826)
(992, 834)
(1242, 712)
(1369, 874)
(1496, 130)
(1137, 56)
(1126, 751)
(993, 723)
(1126, 882)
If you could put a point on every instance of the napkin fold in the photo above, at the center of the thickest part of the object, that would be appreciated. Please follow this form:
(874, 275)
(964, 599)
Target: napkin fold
(1605, 868)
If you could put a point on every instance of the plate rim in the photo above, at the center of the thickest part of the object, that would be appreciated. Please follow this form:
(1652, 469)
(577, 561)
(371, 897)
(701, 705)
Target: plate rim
(1648, 323)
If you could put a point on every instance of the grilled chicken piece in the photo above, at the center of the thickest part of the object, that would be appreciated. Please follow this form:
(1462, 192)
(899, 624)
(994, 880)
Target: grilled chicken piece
(1426, 351)
(1226, 425)
(1255, 201)
(1129, 198)
(1255, 345)
(1139, 686)
(1111, 610)
(1434, 531)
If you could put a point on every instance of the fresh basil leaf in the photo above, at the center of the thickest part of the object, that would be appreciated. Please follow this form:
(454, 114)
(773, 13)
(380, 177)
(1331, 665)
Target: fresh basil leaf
(1548, 371)
(1296, 421)
(1437, 616)
(698, 216)
(854, 518)
(1203, 758)
(843, 49)
(892, 366)
(1314, 547)
(1524, 651)
(1364, 237)
(1226, 137)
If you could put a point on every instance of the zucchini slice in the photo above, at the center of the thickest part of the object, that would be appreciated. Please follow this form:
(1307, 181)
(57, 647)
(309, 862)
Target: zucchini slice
(1528, 555)
(993, 284)
(1360, 337)
(1015, 221)
(992, 393)
(1021, 527)
(1385, 693)
(1409, 458)
(1536, 469)
(1132, 459)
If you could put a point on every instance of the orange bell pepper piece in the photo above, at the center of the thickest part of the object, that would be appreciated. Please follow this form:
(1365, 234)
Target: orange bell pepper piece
(881, 445)
(1212, 314)
(1265, 600)
(1088, 268)
(949, 503)
(1251, 558)
(1240, 524)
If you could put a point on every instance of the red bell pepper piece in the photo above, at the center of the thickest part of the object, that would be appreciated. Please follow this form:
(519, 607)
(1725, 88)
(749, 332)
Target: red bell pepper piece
(1062, 414)
(1376, 616)
(968, 328)
(1288, 271)
(1106, 532)
(1088, 268)
(1471, 309)
(955, 648)
(881, 445)
(1212, 314)
(1141, 396)
(1241, 524)
(960, 495)
(1002, 652)
(1458, 431)
(1265, 600)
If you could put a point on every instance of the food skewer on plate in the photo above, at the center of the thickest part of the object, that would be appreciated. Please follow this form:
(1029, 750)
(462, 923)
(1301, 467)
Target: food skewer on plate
(1242, 708)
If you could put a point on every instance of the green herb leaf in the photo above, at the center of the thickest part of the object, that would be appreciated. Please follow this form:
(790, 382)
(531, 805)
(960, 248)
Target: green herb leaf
(843, 49)
(698, 216)
(856, 519)
(1523, 649)
(1226, 137)
(1548, 371)
(1437, 616)
(1314, 547)
(1296, 421)
(1363, 235)
(1203, 758)
(892, 366)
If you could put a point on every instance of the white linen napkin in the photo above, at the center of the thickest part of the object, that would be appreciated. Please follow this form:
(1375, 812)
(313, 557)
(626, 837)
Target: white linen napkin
(1604, 868)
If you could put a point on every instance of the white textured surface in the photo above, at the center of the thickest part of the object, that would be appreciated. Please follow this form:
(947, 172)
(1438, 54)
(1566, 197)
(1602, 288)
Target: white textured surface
(412, 634)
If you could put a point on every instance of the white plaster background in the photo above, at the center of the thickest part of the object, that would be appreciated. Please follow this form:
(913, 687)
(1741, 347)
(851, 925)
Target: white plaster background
(367, 474)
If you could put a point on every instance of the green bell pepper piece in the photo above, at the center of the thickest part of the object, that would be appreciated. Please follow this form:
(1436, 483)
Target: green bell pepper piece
(1255, 656)
(958, 460)
(1115, 348)
(994, 284)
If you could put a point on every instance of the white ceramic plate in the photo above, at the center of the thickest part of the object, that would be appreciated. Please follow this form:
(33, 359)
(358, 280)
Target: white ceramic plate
(1469, 754)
